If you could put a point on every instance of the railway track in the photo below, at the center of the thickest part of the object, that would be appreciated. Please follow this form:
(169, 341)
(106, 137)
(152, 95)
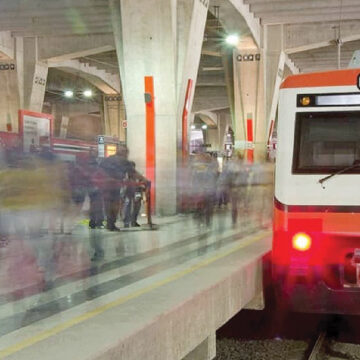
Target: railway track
(315, 349)
(324, 348)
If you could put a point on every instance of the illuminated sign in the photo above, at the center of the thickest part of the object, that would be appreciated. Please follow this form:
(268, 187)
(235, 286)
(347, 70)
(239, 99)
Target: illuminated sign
(320, 100)
(110, 149)
(331, 100)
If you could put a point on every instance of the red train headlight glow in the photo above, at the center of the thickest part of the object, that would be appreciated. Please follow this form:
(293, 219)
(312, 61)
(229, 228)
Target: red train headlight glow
(301, 242)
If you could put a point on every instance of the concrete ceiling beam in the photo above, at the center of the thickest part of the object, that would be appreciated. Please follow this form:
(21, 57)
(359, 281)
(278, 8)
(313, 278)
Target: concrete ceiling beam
(251, 21)
(301, 63)
(211, 53)
(296, 19)
(7, 46)
(107, 83)
(43, 14)
(212, 68)
(322, 44)
(22, 6)
(291, 65)
(301, 5)
(59, 48)
(50, 32)
(320, 12)
(54, 26)
(319, 57)
(209, 118)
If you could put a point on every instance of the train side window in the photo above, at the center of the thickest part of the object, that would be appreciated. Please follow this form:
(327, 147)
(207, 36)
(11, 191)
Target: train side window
(326, 141)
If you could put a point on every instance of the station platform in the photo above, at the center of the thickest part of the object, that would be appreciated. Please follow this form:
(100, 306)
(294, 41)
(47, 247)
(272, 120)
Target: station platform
(145, 295)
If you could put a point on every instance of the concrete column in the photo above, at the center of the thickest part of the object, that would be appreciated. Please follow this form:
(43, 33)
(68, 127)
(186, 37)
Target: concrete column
(273, 68)
(9, 96)
(162, 39)
(32, 74)
(191, 21)
(249, 98)
(114, 116)
(205, 351)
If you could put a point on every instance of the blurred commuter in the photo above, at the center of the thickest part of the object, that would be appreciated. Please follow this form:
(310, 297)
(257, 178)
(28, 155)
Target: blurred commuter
(115, 168)
(96, 211)
(33, 190)
(204, 172)
(234, 180)
(133, 197)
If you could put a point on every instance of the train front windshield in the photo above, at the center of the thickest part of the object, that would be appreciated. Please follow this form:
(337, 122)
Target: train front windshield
(326, 142)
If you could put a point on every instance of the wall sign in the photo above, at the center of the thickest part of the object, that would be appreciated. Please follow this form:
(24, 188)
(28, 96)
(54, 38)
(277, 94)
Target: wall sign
(35, 129)
(7, 67)
(248, 57)
(40, 81)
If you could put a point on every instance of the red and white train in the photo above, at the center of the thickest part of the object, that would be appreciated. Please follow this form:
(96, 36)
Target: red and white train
(316, 241)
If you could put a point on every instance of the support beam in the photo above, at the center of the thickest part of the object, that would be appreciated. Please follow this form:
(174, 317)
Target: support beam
(321, 44)
(106, 82)
(275, 98)
(7, 46)
(252, 22)
(290, 64)
(83, 53)
(296, 19)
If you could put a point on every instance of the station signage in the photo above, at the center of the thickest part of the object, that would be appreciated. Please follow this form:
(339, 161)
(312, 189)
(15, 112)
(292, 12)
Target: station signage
(35, 130)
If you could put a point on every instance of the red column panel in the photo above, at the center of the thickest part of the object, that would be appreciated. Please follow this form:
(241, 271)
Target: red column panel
(250, 139)
(150, 138)
(185, 140)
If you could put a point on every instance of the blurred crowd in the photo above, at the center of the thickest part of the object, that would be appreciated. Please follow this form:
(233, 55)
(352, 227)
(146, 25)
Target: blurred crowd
(245, 188)
(43, 199)
(39, 191)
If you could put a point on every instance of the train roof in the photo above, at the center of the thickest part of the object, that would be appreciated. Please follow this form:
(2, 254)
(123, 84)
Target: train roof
(327, 78)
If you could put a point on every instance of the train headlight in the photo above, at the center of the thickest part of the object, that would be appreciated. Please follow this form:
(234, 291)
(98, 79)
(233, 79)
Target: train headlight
(301, 242)
(305, 101)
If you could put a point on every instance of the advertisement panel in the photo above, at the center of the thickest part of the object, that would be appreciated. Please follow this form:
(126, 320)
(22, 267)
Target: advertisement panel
(35, 130)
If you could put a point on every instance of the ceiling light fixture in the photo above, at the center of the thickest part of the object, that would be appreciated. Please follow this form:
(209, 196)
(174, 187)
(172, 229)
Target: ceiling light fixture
(68, 93)
(232, 39)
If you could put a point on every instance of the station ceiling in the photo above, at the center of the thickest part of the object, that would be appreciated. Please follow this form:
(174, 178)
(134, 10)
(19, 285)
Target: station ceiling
(312, 29)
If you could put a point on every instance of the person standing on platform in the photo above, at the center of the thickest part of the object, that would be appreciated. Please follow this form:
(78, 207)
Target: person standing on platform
(115, 169)
(133, 197)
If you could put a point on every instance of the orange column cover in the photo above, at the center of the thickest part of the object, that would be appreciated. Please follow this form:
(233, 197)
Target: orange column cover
(185, 140)
(150, 137)
(250, 139)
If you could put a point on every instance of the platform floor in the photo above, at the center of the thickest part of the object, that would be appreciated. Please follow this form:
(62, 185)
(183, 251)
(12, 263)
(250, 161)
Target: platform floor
(45, 286)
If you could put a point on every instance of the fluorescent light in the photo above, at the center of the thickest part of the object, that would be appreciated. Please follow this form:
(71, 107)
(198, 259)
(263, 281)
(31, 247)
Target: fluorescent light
(204, 127)
(232, 39)
(69, 93)
(88, 93)
(193, 127)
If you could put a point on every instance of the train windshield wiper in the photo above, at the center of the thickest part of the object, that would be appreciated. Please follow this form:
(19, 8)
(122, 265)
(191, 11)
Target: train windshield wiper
(353, 166)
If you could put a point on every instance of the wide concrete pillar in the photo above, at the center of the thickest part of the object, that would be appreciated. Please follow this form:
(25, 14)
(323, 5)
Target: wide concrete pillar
(250, 121)
(32, 74)
(114, 116)
(160, 39)
(274, 61)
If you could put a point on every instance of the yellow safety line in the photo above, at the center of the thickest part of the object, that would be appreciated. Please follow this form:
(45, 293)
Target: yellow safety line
(77, 320)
